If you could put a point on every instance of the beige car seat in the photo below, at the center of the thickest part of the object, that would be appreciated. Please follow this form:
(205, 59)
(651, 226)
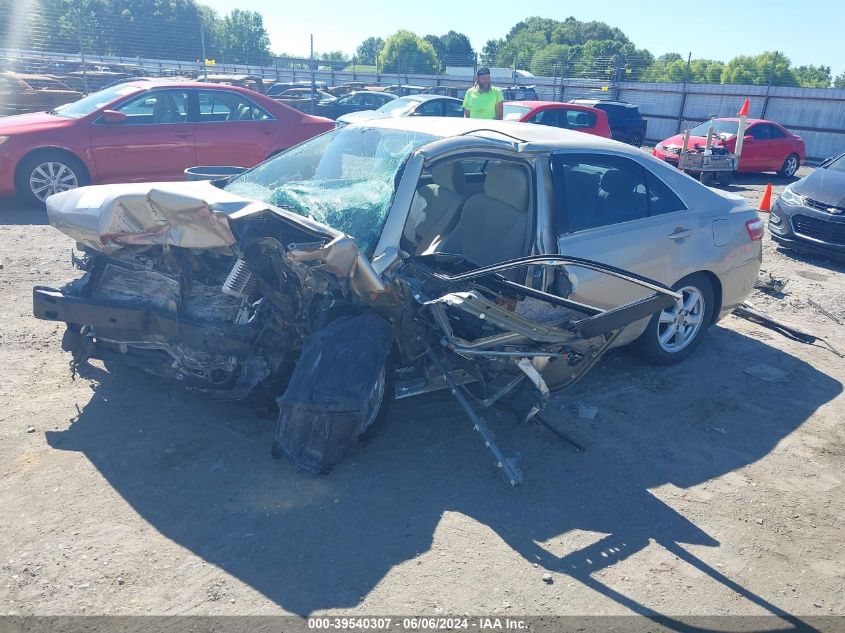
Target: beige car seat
(495, 224)
(443, 201)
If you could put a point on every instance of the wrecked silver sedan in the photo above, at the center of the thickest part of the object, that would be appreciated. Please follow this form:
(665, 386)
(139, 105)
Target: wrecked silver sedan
(370, 263)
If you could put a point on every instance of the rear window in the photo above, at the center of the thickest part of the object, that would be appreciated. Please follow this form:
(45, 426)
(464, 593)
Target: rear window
(576, 119)
(514, 112)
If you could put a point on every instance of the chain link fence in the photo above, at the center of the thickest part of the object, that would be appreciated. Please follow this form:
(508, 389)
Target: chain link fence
(56, 51)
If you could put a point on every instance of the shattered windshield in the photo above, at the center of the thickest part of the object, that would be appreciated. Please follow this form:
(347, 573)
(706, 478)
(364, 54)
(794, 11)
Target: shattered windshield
(344, 178)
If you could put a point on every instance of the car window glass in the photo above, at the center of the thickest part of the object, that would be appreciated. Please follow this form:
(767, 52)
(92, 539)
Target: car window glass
(453, 108)
(575, 119)
(760, 132)
(156, 107)
(595, 190)
(545, 117)
(776, 132)
(220, 105)
(661, 199)
(430, 108)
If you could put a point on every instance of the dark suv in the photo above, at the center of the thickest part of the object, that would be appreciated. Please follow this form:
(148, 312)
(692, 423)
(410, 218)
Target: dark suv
(626, 122)
(520, 93)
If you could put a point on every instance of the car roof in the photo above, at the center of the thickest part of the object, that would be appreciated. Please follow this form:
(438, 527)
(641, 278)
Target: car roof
(525, 136)
(372, 92)
(427, 97)
(146, 84)
(555, 104)
(749, 121)
(606, 102)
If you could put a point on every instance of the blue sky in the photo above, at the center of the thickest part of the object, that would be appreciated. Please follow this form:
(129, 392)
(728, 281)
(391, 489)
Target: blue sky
(808, 32)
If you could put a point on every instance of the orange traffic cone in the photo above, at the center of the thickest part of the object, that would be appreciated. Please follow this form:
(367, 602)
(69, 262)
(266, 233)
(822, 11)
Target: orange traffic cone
(743, 111)
(766, 202)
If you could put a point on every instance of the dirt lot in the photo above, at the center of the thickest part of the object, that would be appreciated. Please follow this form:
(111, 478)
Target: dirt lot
(703, 489)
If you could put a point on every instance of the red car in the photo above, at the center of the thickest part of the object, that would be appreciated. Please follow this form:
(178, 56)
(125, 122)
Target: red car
(766, 146)
(145, 131)
(568, 116)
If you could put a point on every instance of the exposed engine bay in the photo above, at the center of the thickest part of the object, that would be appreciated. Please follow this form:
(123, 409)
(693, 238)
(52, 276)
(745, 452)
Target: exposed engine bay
(287, 311)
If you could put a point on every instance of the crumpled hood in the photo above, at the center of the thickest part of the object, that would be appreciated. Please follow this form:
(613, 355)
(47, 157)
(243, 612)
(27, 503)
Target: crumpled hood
(108, 218)
(187, 214)
(824, 185)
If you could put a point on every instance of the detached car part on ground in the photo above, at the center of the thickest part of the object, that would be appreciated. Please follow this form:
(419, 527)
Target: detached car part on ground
(301, 282)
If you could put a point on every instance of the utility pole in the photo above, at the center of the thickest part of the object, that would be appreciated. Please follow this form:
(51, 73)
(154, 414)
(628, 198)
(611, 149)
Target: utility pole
(770, 80)
(204, 57)
(684, 94)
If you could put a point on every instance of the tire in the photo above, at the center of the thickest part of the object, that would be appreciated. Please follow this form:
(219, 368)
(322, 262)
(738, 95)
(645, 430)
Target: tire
(725, 178)
(707, 178)
(699, 300)
(635, 139)
(43, 173)
(790, 166)
(338, 393)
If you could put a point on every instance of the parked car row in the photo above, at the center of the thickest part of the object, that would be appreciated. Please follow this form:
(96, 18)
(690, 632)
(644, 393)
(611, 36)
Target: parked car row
(145, 130)
(21, 93)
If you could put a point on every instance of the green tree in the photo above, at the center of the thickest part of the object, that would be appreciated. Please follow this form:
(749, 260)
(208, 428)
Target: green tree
(490, 52)
(839, 82)
(813, 76)
(553, 60)
(759, 70)
(407, 52)
(333, 56)
(456, 50)
(243, 39)
(368, 50)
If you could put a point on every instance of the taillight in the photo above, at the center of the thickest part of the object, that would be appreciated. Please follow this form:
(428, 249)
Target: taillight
(755, 229)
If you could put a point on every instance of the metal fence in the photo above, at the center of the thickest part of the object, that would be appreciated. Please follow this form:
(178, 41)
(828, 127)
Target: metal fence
(817, 114)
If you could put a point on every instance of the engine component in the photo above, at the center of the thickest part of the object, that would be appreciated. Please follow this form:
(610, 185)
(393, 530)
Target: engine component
(241, 281)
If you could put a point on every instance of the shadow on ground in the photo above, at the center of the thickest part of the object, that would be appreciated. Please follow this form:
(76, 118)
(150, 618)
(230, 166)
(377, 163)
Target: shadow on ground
(14, 211)
(200, 472)
(745, 182)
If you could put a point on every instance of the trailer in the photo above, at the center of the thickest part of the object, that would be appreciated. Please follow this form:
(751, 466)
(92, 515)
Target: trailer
(714, 165)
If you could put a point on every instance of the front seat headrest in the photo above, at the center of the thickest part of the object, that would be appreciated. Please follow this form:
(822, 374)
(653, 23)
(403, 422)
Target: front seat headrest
(508, 184)
(449, 176)
(618, 182)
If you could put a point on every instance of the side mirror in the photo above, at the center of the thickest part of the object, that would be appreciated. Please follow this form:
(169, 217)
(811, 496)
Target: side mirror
(113, 117)
(747, 138)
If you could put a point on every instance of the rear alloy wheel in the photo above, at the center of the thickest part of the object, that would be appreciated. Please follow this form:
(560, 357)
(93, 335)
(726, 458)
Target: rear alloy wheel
(790, 166)
(635, 139)
(43, 175)
(674, 333)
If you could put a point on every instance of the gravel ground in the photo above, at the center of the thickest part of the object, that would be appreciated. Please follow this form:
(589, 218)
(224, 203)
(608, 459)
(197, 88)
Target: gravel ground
(703, 488)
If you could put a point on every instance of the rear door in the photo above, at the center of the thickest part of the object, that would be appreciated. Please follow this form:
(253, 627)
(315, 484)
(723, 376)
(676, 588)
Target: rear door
(756, 152)
(782, 146)
(156, 142)
(232, 129)
(453, 108)
(431, 107)
(610, 209)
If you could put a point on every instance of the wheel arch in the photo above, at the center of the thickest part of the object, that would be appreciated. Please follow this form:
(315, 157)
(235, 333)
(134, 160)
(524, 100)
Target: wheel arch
(51, 149)
(716, 284)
